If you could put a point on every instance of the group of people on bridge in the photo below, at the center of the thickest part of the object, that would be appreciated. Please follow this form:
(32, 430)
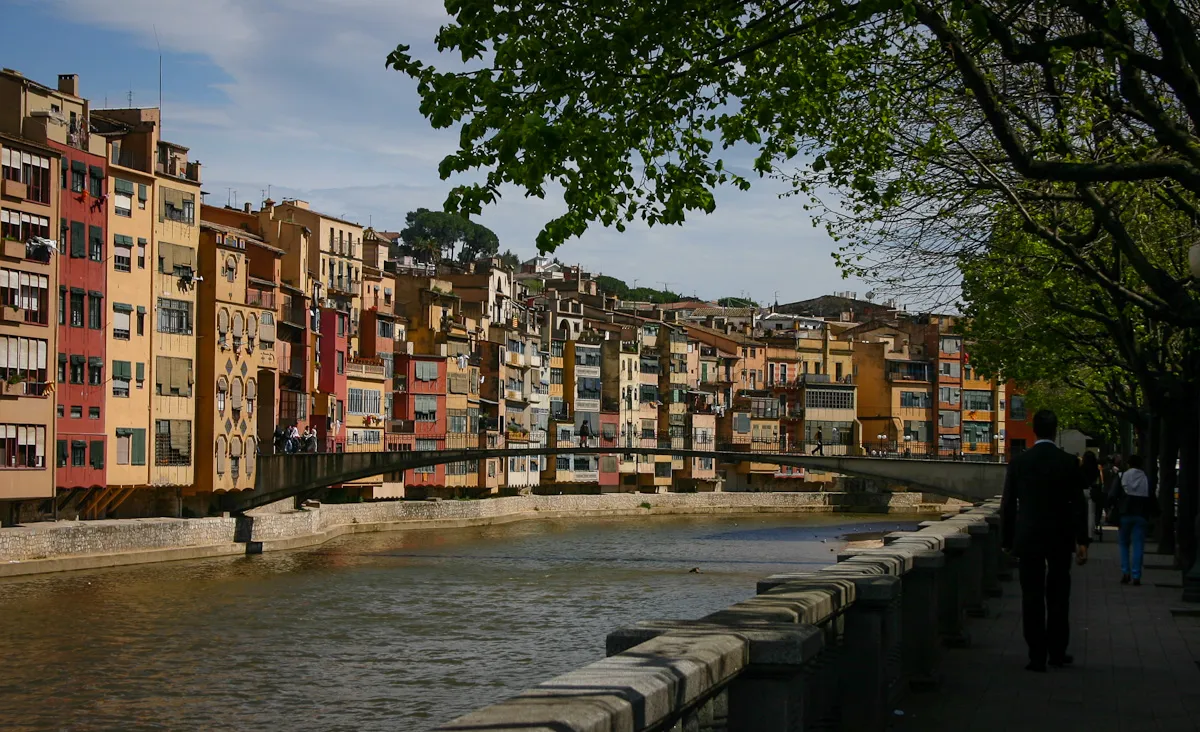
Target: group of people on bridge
(289, 440)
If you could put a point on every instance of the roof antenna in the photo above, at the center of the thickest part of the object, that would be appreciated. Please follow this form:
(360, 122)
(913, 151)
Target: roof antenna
(228, 199)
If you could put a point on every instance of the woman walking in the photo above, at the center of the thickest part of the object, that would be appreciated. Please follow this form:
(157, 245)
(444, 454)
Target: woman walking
(1093, 480)
(1133, 506)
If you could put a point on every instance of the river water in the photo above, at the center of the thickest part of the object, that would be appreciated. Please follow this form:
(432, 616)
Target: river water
(391, 631)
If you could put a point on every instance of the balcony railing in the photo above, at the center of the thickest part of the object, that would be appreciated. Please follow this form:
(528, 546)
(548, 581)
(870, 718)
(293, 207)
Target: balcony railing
(260, 298)
(366, 367)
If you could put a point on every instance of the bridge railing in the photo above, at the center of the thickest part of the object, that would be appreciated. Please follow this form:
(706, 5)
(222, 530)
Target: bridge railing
(834, 648)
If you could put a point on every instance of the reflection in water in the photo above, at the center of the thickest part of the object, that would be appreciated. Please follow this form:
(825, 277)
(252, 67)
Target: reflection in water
(396, 631)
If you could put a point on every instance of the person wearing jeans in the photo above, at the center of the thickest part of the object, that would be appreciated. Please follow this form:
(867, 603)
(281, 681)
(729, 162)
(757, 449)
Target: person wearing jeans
(1134, 508)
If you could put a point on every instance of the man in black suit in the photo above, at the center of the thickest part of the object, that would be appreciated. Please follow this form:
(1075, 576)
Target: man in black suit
(1044, 523)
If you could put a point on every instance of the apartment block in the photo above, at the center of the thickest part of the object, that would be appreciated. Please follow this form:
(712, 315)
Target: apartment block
(35, 127)
(235, 378)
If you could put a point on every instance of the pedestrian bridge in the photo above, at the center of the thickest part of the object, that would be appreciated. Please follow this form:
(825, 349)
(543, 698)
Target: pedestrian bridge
(286, 476)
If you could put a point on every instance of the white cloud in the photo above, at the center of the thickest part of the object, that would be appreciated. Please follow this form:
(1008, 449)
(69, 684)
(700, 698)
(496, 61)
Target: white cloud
(309, 108)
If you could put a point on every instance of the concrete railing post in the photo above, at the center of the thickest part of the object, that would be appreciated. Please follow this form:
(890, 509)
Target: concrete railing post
(951, 599)
(871, 633)
(922, 645)
(976, 561)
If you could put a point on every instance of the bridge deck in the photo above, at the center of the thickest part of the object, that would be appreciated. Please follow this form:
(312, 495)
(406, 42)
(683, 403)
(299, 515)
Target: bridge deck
(1135, 665)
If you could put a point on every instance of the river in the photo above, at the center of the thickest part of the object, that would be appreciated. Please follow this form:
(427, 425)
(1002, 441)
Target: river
(389, 631)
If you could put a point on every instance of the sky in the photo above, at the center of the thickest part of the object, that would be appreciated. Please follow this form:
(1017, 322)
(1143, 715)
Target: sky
(294, 97)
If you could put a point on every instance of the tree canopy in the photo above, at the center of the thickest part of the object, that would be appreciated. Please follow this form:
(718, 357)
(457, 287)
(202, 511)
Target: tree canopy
(923, 117)
(431, 234)
(617, 287)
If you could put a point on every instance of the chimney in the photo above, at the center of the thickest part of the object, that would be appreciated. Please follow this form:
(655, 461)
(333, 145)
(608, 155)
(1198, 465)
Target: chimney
(246, 207)
(69, 84)
(746, 329)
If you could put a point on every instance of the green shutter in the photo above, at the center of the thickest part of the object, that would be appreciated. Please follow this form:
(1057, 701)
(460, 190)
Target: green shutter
(96, 234)
(123, 241)
(79, 166)
(123, 186)
(62, 453)
(78, 243)
(98, 454)
(141, 191)
(139, 447)
(121, 370)
(122, 307)
(95, 171)
(141, 371)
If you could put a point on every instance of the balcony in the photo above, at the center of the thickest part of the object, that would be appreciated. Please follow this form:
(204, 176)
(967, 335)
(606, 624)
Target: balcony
(902, 377)
(259, 298)
(587, 405)
(402, 426)
(344, 285)
(22, 388)
(368, 367)
(16, 189)
(587, 372)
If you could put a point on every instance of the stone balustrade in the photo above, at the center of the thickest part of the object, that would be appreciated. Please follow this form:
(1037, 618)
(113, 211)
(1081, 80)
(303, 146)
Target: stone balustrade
(829, 649)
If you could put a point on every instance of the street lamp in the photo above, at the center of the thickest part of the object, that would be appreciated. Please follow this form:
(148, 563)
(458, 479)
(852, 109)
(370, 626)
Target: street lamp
(1191, 580)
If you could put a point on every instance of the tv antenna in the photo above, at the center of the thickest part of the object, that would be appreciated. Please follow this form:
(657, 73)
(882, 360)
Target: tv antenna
(160, 115)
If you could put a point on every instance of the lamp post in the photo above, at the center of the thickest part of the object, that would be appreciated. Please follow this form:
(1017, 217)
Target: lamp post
(1191, 580)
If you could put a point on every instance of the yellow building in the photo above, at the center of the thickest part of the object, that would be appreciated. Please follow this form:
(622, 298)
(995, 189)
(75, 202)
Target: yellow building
(895, 393)
(235, 372)
(172, 370)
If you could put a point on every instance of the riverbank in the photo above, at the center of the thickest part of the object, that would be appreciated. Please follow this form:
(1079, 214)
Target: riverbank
(74, 545)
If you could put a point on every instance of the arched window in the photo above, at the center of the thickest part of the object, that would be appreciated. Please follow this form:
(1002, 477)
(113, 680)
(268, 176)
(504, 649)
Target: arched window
(235, 456)
(235, 394)
(220, 448)
(252, 327)
(251, 394)
(222, 393)
(231, 268)
(222, 325)
(239, 324)
(251, 455)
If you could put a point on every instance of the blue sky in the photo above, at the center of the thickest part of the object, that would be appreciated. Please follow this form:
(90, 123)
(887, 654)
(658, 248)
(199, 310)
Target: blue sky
(295, 96)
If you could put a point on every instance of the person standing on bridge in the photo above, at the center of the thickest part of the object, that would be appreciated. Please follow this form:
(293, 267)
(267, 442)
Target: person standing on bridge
(1044, 520)
(820, 448)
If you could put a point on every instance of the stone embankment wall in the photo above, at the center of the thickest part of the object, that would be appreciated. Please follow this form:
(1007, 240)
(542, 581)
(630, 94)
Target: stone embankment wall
(66, 545)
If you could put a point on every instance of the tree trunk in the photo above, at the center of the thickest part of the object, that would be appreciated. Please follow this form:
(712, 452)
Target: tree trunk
(1189, 481)
(1167, 483)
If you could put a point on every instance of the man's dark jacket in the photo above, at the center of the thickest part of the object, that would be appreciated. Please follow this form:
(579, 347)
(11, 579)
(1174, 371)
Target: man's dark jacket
(1043, 511)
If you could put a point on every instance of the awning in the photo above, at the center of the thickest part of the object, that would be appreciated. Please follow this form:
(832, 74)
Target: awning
(78, 166)
(488, 401)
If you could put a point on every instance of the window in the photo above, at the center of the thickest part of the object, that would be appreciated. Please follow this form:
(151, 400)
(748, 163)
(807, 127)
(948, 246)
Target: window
(131, 446)
(77, 369)
(24, 360)
(556, 376)
(78, 173)
(340, 362)
(425, 408)
(62, 454)
(174, 316)
(78, 240)
(588, 388)
(173, 377)
(918, 431)
(363, 401)
(76, 308)
(948, 418)
(1017, 407)
(62, 305)
(172, 442)
(828, 399)
(93, 412)
(832, 433)
(425, 371)
(741, 422)
(142, 195)
(174, 259)
(121, 374)
(95, 371)
(425, 446)
(95, 181)
(22, 446)
(977, 432)
(950, 395)
(62, 369)
(120, 321)
(221, 401)
(32, 170)
(951, 344)
(122, 253)
(953, 369)
(77, 412)
(920, 399)
(29, 293)
(141, 374)
(96, 243)
(78, 453)
(177, 206)
(95, 302)
(975, 399)
(141, 253)
(765, 408)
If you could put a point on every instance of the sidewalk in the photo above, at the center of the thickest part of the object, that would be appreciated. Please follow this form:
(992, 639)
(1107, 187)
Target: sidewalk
(1135, 664)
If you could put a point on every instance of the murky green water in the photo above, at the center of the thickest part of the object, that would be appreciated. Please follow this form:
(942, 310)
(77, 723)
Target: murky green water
(394, 631)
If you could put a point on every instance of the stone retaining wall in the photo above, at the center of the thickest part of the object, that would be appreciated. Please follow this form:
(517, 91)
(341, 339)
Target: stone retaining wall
(40, 547)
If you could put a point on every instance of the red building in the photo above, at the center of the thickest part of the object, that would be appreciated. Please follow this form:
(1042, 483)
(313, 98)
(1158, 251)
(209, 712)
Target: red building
(82, 274)
(334, 354)
(420, 409)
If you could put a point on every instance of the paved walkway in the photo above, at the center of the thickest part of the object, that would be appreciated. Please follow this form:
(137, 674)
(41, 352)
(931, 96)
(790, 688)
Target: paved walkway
(1135, 664)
